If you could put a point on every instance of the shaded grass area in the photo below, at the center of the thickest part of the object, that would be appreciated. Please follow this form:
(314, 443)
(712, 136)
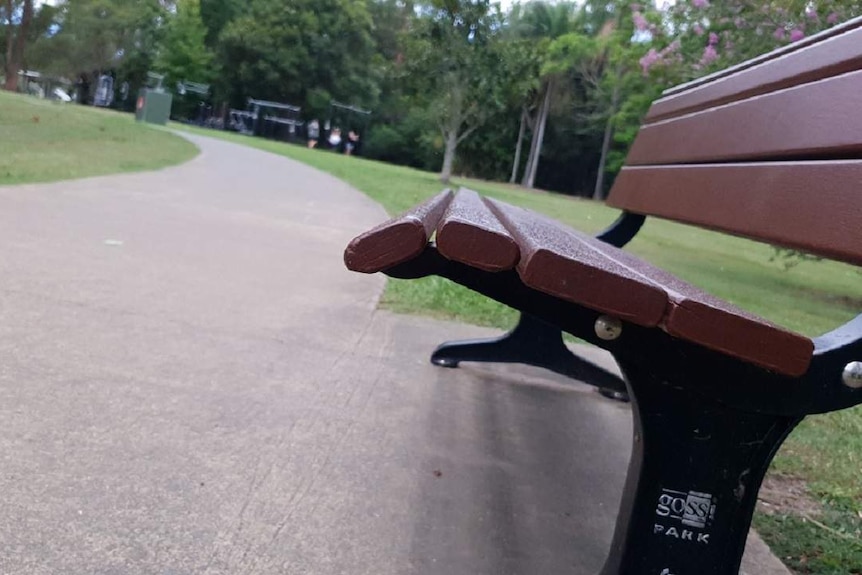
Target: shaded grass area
(811, 298)
(43, 141)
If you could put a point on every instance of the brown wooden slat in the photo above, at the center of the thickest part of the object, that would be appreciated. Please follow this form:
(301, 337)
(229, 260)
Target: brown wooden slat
(827, 56)
(811, 206)
(558, 262)
(777, 53)
(737, 335)
(699, 317)
(575, 267)
(470, 233)
(397, 240)
(810, 121)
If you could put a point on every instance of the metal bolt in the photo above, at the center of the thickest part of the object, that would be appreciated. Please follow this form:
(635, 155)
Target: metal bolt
(853, 374)
(609, 328)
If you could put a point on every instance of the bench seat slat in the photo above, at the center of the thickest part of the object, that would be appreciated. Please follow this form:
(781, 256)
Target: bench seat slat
(398, 240)
(741, 199)
(572, 266)
(768, 127)
(697, 316)
(559, 263)
(579, 268)
(831, 56)
(471, 234)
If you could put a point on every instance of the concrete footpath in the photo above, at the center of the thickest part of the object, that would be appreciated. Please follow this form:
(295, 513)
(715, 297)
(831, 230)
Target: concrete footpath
(191, 382)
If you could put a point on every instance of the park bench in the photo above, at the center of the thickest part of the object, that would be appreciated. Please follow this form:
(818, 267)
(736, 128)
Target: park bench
(770, 150)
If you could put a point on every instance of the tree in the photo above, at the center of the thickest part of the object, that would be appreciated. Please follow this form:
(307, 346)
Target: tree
(216, 14)
(97, 35)
(306, 52)
(83, 39)
(392, 18)
(17, 15)
(452, 56)
(540, 22)
(487, 153)
(588, 59)
(604, 60)
(699, 36)
(523, 58)
(183, 54)
(44, 20)
(92, 35)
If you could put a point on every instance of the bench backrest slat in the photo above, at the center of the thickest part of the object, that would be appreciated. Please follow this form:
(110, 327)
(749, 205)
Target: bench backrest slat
(738, 198)
(818, 120)
(770, 149)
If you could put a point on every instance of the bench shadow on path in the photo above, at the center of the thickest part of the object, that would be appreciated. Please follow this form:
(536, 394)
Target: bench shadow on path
(524, 473)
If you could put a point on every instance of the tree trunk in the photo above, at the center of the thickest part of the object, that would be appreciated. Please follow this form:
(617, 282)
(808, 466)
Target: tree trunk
(530, 176)
(15, 43)
(599, 191)
(10, 43)
(533, 142)
(449, 155)
(518, 147)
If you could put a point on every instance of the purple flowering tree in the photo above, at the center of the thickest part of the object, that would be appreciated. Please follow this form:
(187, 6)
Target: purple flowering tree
(699, 36)
(691, 38)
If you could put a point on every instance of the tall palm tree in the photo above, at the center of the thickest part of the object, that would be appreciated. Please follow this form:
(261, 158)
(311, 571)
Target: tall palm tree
(541, 21)
(603, 18)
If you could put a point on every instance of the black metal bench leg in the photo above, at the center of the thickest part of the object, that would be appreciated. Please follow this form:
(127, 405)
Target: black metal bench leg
(532, 342)
(696, 468)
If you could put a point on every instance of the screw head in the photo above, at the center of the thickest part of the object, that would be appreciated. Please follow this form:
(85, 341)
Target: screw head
(608, 327)
(852, 375)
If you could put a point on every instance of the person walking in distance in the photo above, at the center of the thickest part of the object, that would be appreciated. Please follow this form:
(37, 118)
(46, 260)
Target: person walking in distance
(313, 133)
(352, 143)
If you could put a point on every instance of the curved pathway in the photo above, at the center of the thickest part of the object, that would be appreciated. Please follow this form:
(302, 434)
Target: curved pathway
(190, 382)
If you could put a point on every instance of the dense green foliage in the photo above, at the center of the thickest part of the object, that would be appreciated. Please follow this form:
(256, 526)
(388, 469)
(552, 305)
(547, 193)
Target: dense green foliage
(304, 52)
(547, 94)
(183, 54)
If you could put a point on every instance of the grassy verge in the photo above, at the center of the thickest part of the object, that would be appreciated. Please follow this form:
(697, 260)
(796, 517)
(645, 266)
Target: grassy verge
(43, 141)
(827, 545)
(810, 298)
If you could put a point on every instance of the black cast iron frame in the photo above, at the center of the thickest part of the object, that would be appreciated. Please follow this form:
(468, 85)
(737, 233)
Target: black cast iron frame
(706, 426)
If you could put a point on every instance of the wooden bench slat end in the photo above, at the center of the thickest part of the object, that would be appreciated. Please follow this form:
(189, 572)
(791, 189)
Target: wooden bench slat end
(383, 248)
(470, 233)
(398, 240)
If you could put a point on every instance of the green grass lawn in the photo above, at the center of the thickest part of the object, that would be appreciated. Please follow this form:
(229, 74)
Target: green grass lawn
(811, 298)
(43, 141)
